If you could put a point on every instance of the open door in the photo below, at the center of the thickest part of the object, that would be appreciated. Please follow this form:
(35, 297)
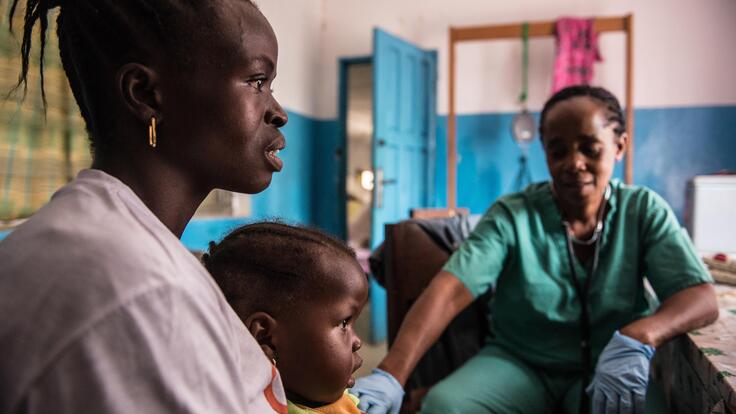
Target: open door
(404, 96)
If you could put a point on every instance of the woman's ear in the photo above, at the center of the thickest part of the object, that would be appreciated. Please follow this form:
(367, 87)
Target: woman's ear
(139, 88)
(622, 143)
(263, 328)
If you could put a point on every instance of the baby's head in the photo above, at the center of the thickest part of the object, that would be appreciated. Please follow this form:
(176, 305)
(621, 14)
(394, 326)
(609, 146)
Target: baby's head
(299, 292)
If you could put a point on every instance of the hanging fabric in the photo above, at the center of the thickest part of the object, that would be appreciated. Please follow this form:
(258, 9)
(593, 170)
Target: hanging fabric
(577, 51)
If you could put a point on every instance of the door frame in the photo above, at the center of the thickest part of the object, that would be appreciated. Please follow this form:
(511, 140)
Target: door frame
(342, 118)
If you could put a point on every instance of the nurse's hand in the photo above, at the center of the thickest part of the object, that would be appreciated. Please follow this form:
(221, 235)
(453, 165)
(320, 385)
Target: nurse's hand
(621, 376)
(379, 393)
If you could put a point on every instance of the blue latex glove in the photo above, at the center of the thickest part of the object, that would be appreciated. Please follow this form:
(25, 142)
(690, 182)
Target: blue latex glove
(379, 393)
(621, 377)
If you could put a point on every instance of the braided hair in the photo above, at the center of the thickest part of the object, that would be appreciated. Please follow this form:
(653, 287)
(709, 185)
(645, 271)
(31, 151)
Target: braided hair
(264, 266)
(98, 36)
(609, 101)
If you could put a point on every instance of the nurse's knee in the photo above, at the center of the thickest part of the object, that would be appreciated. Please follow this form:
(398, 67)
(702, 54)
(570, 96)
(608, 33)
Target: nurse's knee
(441, 401)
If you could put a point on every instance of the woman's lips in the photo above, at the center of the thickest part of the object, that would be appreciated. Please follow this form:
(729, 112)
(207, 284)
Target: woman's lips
(276, 163)
(576, 184)
(272, 153)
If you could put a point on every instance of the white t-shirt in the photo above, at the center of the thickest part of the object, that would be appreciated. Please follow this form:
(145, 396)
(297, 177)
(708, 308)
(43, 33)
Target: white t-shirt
(102, 309)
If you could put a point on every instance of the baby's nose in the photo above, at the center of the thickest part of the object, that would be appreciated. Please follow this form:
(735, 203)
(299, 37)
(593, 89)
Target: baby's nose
(357, 344)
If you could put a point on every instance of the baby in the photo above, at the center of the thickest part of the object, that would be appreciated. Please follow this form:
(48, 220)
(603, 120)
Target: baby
(298, 292)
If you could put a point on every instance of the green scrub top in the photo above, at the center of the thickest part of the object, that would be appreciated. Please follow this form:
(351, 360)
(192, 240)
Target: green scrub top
(519, 245)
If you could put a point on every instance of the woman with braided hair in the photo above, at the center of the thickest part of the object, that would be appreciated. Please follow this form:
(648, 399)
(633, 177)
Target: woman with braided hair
(573, 331)
(104, 310)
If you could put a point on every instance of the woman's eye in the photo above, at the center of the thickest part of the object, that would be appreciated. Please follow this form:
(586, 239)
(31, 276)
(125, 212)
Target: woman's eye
(592, 151)
(557, 154)
(258, 84)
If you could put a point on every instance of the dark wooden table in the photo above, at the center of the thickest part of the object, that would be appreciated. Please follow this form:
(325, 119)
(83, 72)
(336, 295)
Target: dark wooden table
(697, 371)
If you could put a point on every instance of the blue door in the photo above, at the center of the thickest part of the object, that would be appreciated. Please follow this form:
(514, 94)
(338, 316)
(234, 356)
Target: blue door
(404, 96)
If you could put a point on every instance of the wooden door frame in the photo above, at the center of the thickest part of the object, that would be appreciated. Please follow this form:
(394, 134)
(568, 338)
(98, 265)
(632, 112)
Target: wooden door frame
(536, 29)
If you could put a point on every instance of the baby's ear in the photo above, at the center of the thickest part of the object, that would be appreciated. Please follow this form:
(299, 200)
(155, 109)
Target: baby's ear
(263, 327)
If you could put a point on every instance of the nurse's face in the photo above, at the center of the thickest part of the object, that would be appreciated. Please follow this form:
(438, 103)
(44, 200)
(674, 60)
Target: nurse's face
(581, 148)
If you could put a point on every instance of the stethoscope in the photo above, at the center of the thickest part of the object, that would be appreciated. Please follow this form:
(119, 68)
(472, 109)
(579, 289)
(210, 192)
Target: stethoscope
(582, 289)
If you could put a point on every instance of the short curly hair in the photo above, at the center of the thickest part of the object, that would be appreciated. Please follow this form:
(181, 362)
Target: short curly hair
(264, 266)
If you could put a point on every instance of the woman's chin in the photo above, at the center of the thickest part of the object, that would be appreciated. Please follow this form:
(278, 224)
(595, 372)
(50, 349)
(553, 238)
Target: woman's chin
(576, 192)
(253, 185)
(262, 185)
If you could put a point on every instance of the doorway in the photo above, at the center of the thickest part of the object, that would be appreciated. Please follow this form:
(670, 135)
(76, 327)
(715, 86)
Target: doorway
(358, 183)
(387, 115)
(359, 180)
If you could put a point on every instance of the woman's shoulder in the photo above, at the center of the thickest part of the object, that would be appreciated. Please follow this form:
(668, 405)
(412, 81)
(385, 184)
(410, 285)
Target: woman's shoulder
(534, 203)
(88, 230)
(531, 193)
(637, 198)
(525, 201)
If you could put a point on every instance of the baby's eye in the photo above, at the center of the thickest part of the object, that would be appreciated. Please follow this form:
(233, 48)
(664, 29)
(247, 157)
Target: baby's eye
(344, 323)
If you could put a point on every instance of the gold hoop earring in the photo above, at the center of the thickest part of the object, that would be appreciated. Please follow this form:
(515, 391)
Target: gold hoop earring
(152, 133)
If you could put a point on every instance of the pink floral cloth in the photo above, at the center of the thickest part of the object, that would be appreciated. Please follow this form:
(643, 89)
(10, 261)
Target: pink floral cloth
(577, 51)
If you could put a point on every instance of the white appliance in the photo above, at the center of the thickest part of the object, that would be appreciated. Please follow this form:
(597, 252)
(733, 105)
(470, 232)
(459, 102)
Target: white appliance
(711, 214)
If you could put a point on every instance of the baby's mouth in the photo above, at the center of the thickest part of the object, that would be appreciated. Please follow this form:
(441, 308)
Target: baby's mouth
(358, 363)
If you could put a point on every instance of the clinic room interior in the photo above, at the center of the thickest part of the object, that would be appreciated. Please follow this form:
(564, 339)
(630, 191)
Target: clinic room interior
(530, 205)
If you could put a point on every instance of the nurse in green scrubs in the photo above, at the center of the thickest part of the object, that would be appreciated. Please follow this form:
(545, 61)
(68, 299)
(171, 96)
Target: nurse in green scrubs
(573, 330)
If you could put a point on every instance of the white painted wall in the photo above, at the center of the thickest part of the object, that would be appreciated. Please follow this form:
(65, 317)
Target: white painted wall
(685, 53)
(297, 24)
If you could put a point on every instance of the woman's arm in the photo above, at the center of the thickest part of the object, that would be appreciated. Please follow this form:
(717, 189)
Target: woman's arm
(688, 309)
(437, 306)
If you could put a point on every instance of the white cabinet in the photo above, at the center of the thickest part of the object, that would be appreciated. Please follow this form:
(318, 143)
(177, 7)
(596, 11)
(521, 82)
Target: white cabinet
(711, 214)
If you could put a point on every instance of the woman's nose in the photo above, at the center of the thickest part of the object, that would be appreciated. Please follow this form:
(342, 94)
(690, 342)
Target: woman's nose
(575, 161)
(276, 115)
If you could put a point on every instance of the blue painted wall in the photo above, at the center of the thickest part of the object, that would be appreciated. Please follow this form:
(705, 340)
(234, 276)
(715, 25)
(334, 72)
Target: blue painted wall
(328, 190)
(200, 232)
(671, 146)
(289, 197)
(306, 191)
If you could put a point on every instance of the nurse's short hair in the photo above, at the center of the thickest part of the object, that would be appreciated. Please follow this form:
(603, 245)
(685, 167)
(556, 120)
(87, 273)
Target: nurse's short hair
(609, 101)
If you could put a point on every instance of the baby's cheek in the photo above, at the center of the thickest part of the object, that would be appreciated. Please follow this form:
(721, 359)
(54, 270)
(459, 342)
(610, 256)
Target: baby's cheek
(341, 368)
